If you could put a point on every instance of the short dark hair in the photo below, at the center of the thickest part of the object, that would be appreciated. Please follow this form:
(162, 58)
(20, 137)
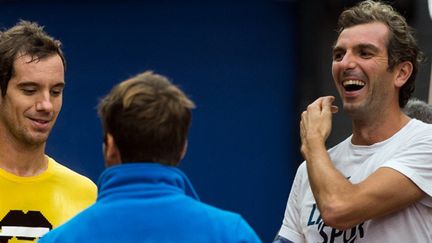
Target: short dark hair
(25, 38)
(402, 45)
(148, 117)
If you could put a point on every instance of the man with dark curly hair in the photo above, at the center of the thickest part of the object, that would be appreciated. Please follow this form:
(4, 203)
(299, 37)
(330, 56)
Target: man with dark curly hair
(376, 185)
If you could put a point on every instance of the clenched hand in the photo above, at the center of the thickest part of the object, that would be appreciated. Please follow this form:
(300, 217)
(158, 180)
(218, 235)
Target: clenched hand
(316, 123)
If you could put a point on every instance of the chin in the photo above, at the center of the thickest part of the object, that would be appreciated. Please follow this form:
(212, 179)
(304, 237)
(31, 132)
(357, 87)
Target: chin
(350, 108)
(37, 140)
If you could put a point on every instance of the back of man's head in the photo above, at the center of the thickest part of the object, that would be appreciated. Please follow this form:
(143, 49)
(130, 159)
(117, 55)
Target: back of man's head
(419, 110)
(149, 119)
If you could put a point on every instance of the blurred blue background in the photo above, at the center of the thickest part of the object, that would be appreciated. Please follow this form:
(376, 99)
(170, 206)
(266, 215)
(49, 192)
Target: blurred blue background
(251, 66)
(235, 59)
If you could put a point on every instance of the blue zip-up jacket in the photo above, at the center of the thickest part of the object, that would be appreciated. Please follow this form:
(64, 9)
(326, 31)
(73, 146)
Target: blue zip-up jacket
(150, 202)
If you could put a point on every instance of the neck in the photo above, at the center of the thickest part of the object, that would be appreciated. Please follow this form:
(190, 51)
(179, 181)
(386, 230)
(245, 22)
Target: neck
(22, 159)
(377, 129)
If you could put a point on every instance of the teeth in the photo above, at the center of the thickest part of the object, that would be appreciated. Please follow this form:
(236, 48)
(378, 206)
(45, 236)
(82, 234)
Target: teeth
(353, 82)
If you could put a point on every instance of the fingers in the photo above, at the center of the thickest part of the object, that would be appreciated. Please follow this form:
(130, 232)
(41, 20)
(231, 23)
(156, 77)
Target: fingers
(334, 109)
(324, 104)
(316, 120)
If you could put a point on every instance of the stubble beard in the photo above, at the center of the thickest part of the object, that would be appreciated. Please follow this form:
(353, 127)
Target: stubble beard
(28, 137)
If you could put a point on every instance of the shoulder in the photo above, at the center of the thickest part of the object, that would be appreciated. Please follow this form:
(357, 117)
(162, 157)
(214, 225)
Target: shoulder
(67, 175)
(419, 128)
(231, 223)
(238, 227)
(416, 135)
(301, 174)
(214, 213)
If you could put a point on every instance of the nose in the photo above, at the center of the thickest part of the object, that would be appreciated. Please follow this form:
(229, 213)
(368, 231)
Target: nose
(348, 61)
(44, 103)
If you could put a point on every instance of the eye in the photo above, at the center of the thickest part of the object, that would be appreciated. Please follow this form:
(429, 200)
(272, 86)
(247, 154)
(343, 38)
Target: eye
(56, 92)
(365, 54)
(337, 56)
(28, 91)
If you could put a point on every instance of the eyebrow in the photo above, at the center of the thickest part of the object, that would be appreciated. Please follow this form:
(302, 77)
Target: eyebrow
(357, 47)
(31, 83)
(337, 48)
(367, 46)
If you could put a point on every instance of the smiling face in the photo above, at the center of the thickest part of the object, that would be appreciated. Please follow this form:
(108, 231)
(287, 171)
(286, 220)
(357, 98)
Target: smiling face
(32, 101)
(360, 69)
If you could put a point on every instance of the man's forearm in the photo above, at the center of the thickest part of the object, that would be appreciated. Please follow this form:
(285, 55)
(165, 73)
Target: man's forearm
(330, 187)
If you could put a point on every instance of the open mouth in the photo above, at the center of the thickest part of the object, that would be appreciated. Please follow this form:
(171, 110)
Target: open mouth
(353, 85)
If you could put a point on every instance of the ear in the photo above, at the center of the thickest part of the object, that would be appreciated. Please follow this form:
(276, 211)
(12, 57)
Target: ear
(184, 150)
(110, 151)
(404, 71)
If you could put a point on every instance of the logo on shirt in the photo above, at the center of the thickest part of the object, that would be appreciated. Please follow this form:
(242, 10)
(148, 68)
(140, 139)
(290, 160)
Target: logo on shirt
(331, 235)
(23, 226)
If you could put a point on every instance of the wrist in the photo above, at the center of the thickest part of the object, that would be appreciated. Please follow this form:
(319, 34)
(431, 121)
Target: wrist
(310, 147)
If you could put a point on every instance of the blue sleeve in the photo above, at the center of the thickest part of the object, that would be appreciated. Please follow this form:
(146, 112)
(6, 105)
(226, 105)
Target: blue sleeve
(280, 239)
(245, 232)
(50, 237)
(42, 240)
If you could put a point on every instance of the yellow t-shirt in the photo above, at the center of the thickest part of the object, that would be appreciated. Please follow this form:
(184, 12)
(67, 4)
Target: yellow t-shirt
(31, 206)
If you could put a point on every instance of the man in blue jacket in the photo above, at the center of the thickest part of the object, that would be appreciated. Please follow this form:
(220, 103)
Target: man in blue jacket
(142, 196)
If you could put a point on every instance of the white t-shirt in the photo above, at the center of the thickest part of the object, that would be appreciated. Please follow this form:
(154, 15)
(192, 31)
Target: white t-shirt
(430, 7)
(409, 151)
